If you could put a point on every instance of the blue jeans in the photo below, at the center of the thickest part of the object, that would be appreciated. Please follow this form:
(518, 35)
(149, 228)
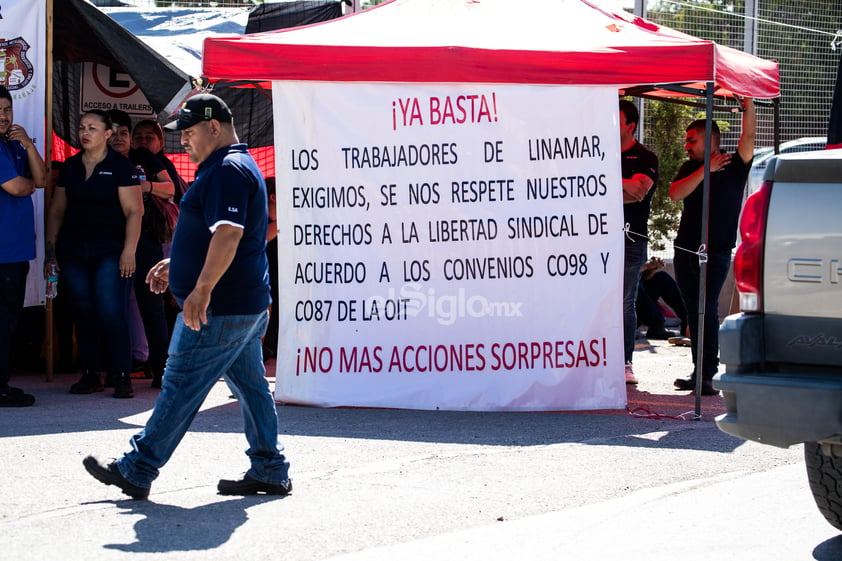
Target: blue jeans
(635, 257)
(687, 274)
(228, 345)
(99, 297)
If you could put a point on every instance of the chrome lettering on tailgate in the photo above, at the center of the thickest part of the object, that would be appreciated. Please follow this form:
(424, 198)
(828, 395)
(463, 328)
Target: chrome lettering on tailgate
(801, 269)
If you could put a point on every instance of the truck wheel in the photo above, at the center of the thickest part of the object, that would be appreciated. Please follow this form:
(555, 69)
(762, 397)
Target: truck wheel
(825, 476)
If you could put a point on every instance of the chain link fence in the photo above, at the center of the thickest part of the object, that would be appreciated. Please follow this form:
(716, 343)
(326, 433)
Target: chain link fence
(799, 34)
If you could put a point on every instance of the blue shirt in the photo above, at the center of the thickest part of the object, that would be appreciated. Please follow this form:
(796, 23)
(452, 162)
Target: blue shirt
(228, 189)
(94, 213)
(17, 214)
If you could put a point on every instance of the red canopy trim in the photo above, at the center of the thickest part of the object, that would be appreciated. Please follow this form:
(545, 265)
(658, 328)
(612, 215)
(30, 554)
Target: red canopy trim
(568, 42)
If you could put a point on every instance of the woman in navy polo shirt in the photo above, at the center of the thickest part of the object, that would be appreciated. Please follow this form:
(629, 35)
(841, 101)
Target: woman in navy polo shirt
(93, 225)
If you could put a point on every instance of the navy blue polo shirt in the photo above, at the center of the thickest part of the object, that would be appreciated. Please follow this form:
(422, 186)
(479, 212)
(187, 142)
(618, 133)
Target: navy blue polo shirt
(94, 213)
(17, 214)
(228, 189)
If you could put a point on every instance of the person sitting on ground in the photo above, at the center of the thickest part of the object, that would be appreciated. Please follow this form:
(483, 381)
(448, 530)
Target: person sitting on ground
(656, 284)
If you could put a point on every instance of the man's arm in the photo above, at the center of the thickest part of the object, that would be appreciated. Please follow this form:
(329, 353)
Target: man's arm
(636, 188)
(19, 186)
(680, 189)
(745, 147)
(223, 247)
(37, 168)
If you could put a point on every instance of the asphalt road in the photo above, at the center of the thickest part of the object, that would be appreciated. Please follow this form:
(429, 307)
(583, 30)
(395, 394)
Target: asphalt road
(387, 484)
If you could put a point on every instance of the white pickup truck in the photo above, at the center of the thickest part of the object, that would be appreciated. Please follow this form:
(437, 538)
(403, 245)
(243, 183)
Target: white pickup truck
(782, 383)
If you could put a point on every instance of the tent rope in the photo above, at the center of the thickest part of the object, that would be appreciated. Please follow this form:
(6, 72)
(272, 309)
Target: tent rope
(645, 413)
(701, 252)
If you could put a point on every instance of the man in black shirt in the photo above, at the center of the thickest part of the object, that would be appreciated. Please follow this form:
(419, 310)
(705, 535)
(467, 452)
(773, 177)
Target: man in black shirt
(640, 174)
(728, 174)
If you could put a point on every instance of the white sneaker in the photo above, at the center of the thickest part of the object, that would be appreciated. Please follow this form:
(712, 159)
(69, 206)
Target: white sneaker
(630, 377)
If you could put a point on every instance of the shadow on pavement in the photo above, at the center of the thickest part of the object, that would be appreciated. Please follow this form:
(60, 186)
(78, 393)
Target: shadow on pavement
(57, 411)
(829, 550)
(166, 528)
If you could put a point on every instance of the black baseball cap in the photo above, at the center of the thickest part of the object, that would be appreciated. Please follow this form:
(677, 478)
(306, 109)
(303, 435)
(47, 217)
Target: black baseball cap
(201, 107)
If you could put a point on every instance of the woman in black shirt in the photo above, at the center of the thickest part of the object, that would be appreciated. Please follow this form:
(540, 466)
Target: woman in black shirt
(92, 229)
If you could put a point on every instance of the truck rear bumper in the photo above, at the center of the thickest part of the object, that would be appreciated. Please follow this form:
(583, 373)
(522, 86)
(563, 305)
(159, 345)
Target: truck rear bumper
(772, 407)
(780, 410)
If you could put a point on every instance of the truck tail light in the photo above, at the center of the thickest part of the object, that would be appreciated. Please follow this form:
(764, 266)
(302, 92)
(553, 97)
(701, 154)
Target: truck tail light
(748, 262)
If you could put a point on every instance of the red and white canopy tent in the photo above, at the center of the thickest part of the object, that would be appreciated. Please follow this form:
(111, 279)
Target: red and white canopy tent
(490, 41)
(535, 42)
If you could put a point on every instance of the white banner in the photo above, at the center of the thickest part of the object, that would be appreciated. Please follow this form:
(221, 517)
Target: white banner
(453, 247)
(23, 71)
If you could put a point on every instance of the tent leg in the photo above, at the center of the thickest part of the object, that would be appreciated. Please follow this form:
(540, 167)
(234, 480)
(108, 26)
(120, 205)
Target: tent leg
(48, 155)
(700, 329)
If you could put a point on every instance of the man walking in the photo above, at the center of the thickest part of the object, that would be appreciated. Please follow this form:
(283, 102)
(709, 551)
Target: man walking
(218, 273)
(640, 175)
(21, 171)
(728, 174)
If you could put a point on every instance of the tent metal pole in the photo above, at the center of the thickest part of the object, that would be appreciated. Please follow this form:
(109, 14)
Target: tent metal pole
(703, 251)
(48, 189)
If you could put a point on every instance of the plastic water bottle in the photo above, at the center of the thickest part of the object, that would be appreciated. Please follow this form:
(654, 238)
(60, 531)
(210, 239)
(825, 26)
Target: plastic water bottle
(52, 281)
(141, 175)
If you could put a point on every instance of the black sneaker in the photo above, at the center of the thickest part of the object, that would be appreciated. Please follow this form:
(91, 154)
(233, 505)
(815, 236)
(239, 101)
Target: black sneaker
(250, 486)
(90, 382)
(689, 385)
(139, 366)
(110, 475)
(708, 389)
(661, 334)
(685, 384)
(15, 397)
(123, 386)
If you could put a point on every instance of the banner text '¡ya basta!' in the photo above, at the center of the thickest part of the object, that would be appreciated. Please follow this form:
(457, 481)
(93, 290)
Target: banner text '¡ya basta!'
(453, 110)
